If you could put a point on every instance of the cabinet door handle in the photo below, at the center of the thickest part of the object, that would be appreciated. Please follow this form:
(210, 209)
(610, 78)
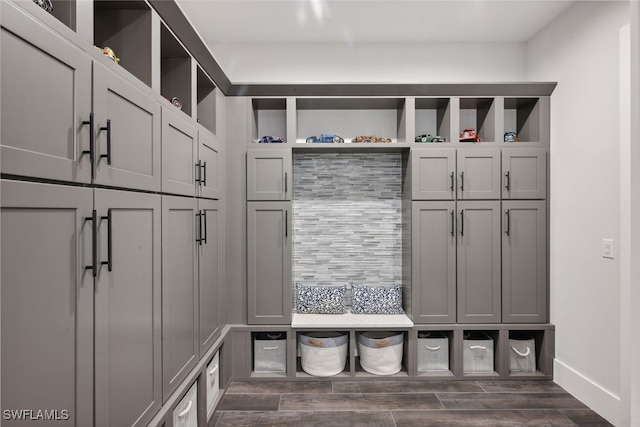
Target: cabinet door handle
(108, 129)
(452, 178)
(462, 181)
(285, 183)
(507, 185)
(213, 370)
(94, 243)
(286, 223)
(91, 150)
(462, 222)
(109, 261)
(203, 235)
(186, 410)
(199, 234)
(507, 229)
(199, 172)
(204, 168)
(453, 233)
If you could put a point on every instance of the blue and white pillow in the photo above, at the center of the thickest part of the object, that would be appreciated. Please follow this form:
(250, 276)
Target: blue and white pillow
(321, 298)
(376, 299)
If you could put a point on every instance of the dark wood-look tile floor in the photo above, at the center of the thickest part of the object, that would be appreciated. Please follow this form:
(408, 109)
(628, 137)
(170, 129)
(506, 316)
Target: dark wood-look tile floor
(401, 403)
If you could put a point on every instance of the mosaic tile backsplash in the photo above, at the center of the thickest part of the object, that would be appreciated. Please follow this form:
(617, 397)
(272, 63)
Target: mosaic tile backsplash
(347, 217)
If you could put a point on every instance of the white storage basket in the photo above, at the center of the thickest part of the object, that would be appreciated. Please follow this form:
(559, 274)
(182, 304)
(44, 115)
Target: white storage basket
(433, 351)
(522, 355)
(477, 353)
(323, 354)
(381, 352)
(270, 352)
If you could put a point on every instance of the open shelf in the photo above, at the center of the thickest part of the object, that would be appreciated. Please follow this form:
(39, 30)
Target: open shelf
(483, 350)
(433, 117)
(351, 117)
(531, 365)
(206, 102)
(435, 353)
(479, 114)
(269, 118)
(522, 115)
(125, 27)
(175, 70)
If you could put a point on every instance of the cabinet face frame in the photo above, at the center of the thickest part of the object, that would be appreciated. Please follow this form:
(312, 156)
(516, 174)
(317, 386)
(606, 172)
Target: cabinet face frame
(56, 319)
(30, 122)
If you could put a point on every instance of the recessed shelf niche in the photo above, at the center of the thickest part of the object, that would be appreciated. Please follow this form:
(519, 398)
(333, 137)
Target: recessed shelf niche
(522, 115)
(433, 117)
(479, 114)
(206, 102)
(269, 118)
(125, 27)
(175, 70)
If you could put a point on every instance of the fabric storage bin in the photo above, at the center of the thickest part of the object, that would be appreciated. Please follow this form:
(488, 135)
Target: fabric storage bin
(323, 354)
(433, 351)
(270, 352)
(522, 355)
(185, 413)
(477, 353)
(381, 352)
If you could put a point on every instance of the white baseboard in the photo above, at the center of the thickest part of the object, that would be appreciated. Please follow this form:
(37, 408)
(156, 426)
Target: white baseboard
(602, 401)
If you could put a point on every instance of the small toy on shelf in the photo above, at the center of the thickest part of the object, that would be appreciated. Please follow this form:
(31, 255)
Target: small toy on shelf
(430, 138)
(268, 139)
(469, 135)
(45, 4)
(370, 138)
(325, 138)
(511, 136)
(107, 51)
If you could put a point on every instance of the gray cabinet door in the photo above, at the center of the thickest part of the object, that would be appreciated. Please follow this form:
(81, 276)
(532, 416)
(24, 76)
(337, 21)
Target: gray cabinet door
(46, 97)
(478, 173)
(433, 174)
(127, 308)
(269, 262)
(269, 175)
(210, 252)
(47, 300)
(179, 291)
(179, 153)
(524, 262)
(479, 262)
(433, 262)
(211, 167)
(127, 132)
(524, 173)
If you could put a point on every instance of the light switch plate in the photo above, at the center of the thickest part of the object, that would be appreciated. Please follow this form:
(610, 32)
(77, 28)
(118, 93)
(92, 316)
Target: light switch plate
(608, 249)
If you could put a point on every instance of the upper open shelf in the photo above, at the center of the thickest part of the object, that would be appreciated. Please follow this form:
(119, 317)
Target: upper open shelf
(206, 102)
(175, 71)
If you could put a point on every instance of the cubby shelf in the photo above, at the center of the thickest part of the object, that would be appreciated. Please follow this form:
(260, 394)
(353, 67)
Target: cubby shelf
(206, 101)
(175, 70)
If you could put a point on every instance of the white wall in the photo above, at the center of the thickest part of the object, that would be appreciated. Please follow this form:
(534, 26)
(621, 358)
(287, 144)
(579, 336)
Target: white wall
(371, 63)
(580, 50)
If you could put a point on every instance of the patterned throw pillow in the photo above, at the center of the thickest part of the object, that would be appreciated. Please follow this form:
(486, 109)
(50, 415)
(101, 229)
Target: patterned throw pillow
(376, 299)
(320, 298)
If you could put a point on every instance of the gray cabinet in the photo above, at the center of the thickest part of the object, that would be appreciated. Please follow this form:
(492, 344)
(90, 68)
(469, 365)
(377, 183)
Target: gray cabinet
(524, 173)
(269, 262)
(524, 262)
(210, 252)
(433, 174)
(210, 166)
(127, 133)
(47, 300)
(179, 291)
(478, 260)
(269, 175)
(179, 153)
(127, 308)
(43, 136)
(478, 173)
(433, 262)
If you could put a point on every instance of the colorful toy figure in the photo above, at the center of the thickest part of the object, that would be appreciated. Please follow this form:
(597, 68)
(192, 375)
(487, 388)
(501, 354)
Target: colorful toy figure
(107, 51)
(325, 138)
(511, 136)
(469, 135)
(430, 138)
(370, 138)
(268, 139)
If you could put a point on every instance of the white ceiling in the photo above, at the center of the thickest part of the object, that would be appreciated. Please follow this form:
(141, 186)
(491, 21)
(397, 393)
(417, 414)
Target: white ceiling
(367, 21)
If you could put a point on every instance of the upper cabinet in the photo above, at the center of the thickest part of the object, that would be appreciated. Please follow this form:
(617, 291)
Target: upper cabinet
(478, 173)
(524, 173)
(179, 153)
(269, 175)
(433, 174)
(47, 135)
(127, 133)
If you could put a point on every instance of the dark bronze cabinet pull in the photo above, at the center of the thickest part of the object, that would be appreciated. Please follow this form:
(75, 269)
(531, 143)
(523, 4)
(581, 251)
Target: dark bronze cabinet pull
(198, 172)
(92, 141)
(199, 232)
(453, 219)
(462, 222)
(507, 229)
(452, 178)
(94, 243)
(508, 183)
(204, 180)
(109, 261)
(203, 235)
(462, 181)
(108, 155)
